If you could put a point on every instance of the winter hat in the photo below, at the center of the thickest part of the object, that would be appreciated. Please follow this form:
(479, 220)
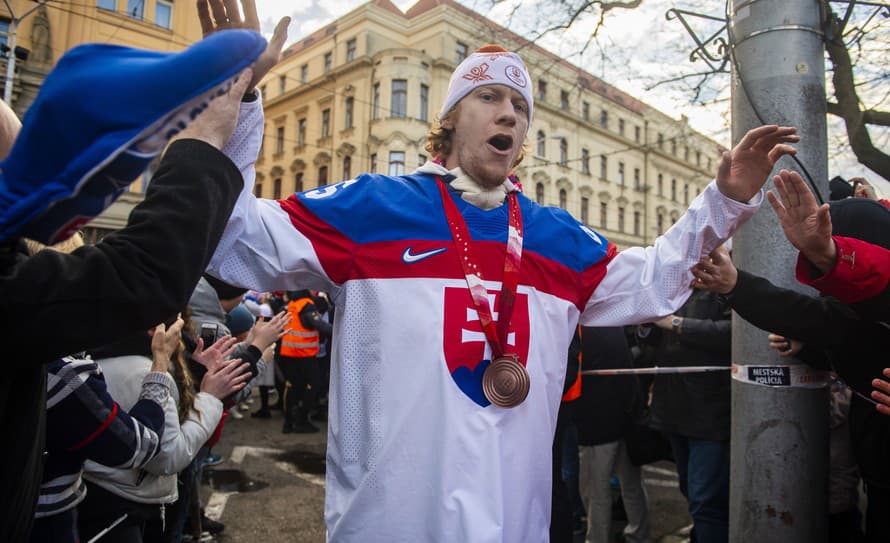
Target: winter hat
(489, 65)
(239, 320)
(838, 188)
(101, 116)
(861, 218)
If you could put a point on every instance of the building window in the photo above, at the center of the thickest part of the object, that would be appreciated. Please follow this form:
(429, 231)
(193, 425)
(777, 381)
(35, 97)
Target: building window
(686, 153)
(298, 182)
(660, 224)
(674, 190)
(636, 223)
(585, 111)
(709, 164)
(604, 119)
(686, 194)
(328, 61)
(637, 179)
(621, 127)
(421, 160)
(564, 99)
(399, 100)
(258, 190)
(542, 90)
(563, 152)
(375, 106)
(397, 163)
(674, 147)
(163, 14)
(542, 144)
(102, 4)
(661, 141)
(373, 167)
(637, 134)
(282, 84)
(460, 52)
(424, 102)
(347, 114)
(539, 193)
(604, 213)
(322, 176)
(350, 50)
(304, 73)
(585, 209)
(326, 123)
(660, 185)
(279, 140)
(621, 219)
(585, 161)
(698, 158)
(276, 189)
(604, 166)
(621, 173)
(563, 198)
(301, 132)
(136, 9)
(347, 167)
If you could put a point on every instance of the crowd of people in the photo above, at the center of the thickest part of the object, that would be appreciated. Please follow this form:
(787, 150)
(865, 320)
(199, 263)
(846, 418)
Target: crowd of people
(465, 317)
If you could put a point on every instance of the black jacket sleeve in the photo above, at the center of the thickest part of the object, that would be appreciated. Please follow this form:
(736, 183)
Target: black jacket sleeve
(822, 321)
(310, 318)
(136, 277)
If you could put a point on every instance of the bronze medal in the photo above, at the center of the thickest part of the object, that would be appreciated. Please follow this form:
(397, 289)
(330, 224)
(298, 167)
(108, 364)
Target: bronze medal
(506, 381)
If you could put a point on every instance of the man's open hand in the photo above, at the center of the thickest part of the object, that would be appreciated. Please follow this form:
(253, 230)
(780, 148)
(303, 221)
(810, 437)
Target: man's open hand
(743, 171)
(806, 225)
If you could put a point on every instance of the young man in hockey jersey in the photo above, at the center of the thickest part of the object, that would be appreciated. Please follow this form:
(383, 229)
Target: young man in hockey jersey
(457, 299)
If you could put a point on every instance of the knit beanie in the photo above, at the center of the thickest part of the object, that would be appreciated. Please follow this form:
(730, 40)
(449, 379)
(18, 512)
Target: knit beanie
(239, 320)
(489, 65)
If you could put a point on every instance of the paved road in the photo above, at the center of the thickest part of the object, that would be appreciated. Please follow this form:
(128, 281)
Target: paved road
(270, 488)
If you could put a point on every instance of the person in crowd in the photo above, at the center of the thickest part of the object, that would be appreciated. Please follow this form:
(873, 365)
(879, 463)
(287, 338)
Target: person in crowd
(608, 408)
(835, 338)
(240, 322)
(83, 421)
(298, 360)
(693, 409)
(85, 297)
(411, 409)
(189, 419)
(562, 518)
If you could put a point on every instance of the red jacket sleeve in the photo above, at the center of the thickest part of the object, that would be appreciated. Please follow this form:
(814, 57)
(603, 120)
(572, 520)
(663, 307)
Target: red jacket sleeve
(862, 271)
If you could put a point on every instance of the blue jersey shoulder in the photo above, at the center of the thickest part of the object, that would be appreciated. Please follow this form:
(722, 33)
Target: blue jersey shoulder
(553, 233)
(373, 208)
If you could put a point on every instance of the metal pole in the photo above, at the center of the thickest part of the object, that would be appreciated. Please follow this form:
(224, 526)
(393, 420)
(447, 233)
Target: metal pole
(779, 450)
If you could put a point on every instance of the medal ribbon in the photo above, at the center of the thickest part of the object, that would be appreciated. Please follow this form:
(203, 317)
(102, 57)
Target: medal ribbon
(496, 334)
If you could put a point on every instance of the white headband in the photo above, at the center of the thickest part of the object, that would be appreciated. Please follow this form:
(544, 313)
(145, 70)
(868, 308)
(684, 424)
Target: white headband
(489, 66)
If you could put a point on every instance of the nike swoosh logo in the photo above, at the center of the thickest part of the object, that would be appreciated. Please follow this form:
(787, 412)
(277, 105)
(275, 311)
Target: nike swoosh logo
(409, 258)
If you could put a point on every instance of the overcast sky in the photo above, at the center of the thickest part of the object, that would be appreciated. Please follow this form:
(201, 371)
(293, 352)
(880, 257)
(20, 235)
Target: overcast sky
(633, 50)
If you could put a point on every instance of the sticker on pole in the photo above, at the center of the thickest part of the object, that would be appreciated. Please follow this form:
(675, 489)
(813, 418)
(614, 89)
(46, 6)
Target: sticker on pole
(798, 376)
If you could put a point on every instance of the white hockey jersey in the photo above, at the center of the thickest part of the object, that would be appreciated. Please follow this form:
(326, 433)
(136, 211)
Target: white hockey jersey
(415, 451)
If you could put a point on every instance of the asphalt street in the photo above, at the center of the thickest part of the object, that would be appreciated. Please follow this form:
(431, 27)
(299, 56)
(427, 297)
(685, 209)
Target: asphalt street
(270, 487)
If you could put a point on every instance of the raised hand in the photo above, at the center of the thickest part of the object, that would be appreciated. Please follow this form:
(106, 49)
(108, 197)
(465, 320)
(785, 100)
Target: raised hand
(881, 394)
(263, 334)
(716, 273)
(806, 225)
(216, 124)
(743, 171)
(164, 342)
(227, 378)
(214, 355)
(224, 14)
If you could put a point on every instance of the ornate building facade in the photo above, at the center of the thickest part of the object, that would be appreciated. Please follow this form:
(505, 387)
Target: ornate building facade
(359, 95)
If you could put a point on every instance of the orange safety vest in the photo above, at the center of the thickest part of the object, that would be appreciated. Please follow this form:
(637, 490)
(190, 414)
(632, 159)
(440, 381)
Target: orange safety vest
(298, 341)
(574, 392)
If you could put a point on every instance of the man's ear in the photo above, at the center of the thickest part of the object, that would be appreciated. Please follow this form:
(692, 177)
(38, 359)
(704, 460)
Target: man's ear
(447, 123)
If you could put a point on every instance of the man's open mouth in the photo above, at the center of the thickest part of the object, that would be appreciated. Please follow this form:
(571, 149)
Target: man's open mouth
(501, 142)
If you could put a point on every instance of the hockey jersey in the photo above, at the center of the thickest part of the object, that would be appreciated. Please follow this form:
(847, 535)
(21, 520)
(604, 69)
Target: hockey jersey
(415, 450)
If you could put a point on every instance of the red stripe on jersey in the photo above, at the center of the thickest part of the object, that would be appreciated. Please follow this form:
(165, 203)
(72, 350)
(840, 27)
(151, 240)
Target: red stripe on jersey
(335, 251)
